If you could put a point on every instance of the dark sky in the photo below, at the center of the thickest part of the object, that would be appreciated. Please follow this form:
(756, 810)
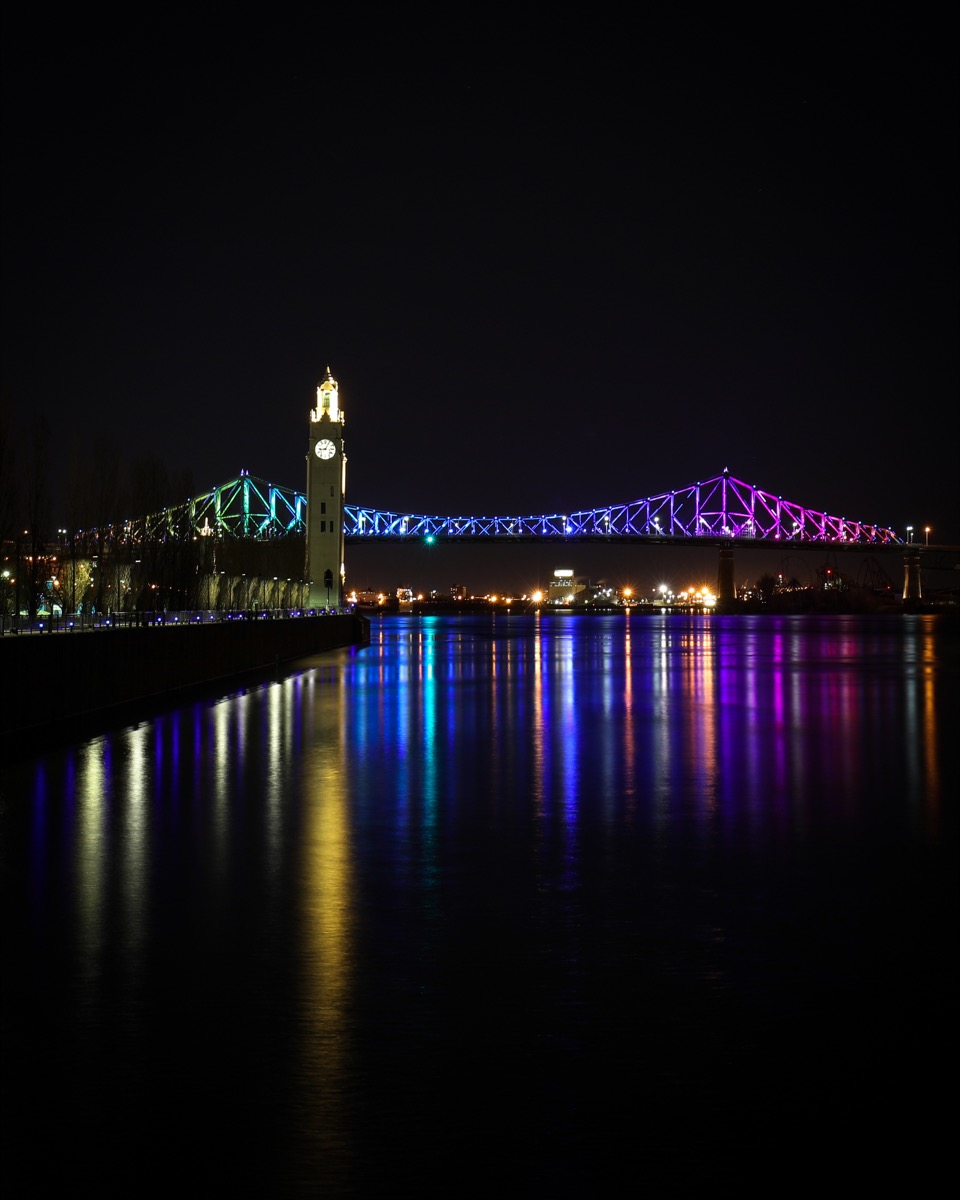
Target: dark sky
(554, 262)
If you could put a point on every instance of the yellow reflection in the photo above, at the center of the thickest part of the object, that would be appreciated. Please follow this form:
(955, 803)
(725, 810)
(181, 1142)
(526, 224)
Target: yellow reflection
(328, 932)
(279, 699)
(221, 801)
(135, 851)
(931, 759)
(92, 831)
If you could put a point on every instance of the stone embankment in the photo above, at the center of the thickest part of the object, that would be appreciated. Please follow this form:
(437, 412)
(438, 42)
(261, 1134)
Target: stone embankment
(58, 681)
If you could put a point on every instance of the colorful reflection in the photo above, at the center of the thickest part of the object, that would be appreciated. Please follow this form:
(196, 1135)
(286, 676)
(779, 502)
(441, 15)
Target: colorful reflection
(530, 845)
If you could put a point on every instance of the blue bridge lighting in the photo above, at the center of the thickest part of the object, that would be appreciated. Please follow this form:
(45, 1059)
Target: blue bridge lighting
(721, 509)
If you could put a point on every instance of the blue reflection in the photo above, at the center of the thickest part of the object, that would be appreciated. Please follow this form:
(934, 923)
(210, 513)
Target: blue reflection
(556, 852)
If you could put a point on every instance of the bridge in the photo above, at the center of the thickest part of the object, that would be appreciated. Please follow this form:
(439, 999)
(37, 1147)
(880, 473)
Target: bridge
(723, 510)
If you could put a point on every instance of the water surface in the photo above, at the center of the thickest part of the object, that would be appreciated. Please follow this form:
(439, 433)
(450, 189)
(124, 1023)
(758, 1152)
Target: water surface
(529, 902)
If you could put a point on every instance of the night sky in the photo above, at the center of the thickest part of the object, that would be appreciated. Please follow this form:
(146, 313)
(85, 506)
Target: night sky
(555, 262)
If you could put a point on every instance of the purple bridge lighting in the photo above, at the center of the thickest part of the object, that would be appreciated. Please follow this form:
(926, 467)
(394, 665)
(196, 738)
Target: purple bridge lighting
(718, 510)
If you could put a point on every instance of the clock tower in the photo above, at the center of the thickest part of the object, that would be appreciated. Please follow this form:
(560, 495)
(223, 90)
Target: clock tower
(326, 483)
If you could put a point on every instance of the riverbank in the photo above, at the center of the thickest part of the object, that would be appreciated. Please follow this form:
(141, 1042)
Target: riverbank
(854, 602)
(54, 682)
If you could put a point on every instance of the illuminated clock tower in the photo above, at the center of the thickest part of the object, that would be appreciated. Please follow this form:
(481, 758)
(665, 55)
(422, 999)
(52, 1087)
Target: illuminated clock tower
(326, 484)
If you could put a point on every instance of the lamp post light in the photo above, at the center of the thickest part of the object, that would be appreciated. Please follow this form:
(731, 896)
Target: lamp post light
(53, 583)
(135, 597)
(926, 535)
(909, 534)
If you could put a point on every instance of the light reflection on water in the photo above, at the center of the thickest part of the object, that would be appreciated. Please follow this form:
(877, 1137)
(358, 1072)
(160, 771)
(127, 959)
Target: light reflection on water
(430, 902)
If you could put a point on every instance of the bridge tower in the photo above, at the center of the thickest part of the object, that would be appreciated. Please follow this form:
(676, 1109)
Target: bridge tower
(726, 586)
(326, 484)
(911, 577)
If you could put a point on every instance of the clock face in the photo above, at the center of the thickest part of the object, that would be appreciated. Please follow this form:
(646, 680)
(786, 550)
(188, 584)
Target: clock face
(325, 448)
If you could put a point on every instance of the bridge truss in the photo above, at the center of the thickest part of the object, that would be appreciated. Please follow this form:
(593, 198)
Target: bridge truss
(245, 507)
(717, 510)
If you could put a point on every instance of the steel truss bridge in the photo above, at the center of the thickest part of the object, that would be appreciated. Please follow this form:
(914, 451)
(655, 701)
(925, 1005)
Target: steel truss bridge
(721, 510)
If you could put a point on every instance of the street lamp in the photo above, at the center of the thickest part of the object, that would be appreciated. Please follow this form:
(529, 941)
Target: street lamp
(909, 534)
(7, 578)
(926, 535)
(50, 587)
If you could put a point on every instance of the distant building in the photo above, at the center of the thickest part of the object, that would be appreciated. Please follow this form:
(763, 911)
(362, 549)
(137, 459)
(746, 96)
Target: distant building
(367, 598)
(564, 586)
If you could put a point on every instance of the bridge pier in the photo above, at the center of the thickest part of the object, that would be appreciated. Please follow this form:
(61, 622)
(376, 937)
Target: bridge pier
(911, 577)
(726, 587)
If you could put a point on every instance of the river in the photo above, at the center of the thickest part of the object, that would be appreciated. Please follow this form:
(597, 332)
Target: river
(639, 902)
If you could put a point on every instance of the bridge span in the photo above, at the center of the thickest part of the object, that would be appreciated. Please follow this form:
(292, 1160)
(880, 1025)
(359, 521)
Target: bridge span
(723, 512)
(720, 510)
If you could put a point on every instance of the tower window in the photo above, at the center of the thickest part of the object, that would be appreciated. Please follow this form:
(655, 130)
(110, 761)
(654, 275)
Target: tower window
(323, 506)
(331, 489)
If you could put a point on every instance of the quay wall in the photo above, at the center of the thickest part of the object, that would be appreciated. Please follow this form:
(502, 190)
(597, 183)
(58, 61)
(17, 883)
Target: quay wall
(57, 680)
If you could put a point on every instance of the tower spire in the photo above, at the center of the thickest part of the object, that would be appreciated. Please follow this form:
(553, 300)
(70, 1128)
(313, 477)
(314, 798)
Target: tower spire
(328, 400)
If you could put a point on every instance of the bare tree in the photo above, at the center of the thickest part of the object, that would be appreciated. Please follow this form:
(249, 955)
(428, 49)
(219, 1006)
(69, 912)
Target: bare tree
(8, 516)
(36, 510)
(8, 480)
(148, 494)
